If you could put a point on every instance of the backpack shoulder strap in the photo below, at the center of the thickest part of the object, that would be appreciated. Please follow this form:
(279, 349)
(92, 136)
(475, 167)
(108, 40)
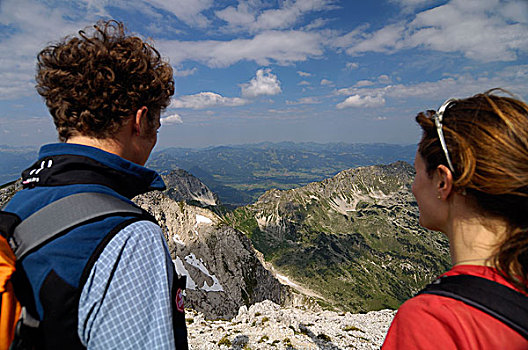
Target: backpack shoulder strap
(64, 214)
(493, 298)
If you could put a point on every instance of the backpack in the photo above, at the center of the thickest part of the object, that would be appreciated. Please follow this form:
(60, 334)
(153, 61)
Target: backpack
(504, 303)
(20, 238)
(9, 305)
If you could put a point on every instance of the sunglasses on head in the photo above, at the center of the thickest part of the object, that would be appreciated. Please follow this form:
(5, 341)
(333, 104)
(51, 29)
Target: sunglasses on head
(438, 116)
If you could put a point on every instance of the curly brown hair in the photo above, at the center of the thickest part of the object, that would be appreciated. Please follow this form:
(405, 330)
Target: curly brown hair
(487, 138)
(93, 83)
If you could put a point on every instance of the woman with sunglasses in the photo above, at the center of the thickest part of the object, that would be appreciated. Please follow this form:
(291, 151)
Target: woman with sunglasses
(471, 184)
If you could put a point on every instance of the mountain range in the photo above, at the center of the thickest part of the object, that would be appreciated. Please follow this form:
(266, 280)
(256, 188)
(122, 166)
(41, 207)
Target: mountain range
(350, 242)
(240, 174)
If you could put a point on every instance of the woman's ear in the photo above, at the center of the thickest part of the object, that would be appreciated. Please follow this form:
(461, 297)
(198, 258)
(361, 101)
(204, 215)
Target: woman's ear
(444, 181)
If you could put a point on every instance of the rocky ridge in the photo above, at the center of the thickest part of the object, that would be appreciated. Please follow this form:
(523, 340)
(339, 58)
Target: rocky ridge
(8, 190)
(353, 239)
(266, 325)
(223, 271)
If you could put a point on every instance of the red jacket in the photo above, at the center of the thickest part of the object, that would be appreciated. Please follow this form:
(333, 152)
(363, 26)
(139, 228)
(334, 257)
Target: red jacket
(435, 322)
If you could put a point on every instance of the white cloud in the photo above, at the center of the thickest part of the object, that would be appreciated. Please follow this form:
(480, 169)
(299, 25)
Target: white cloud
(359, 101)
(411, 2)
(171, 119)
(265, 83)
(304, 74)
(16, 84)
(206, 100)
(304, 101)
(326, 82)
(387, 39)
(363, 83)
(304, 82)
(472, 27)
(316, 24)
(185, 72)
(284, 48)
(384, 79)
(483, 30)
(423, 89)
(349, 39)
(410, 5)
(515, 11)
(241, 16)
(278, 18)
(351, 65)
(252, 16)
(97, 7)
(512, 78)
(187, 11)
(29, 27)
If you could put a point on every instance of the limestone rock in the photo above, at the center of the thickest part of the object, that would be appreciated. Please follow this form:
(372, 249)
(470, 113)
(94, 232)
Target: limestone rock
(224, 272)
(182, 186)
(266, 325)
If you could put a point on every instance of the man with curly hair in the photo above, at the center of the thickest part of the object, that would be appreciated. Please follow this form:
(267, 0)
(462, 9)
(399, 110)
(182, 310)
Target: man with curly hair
(109, 283)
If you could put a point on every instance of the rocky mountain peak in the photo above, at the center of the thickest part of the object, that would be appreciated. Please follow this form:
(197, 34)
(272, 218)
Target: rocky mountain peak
(183, 186)
(223, 270)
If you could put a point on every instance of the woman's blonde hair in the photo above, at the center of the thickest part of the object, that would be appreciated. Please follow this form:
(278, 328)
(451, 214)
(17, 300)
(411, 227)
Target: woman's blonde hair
(487, 139)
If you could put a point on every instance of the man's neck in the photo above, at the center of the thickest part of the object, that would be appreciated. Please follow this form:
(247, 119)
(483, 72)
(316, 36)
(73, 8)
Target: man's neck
(108, 145)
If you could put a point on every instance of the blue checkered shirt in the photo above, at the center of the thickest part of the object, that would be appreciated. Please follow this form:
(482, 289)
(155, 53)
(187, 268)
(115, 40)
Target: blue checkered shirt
(126, 301)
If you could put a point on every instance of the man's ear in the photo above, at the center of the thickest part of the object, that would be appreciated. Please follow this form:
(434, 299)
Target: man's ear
(444, 181)
(140, 118)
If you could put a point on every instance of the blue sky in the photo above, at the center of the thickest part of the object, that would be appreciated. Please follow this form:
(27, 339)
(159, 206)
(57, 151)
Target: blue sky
(293, 70)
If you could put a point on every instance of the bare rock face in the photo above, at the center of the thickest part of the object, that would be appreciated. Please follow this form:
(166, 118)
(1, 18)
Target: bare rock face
(182, 186)
(222, 268)
(9, 191)
(266, 325)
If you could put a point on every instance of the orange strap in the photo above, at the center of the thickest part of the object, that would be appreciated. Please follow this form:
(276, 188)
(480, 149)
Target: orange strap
(9, 307)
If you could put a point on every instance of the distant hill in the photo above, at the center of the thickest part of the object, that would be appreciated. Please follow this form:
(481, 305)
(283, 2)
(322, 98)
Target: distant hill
(241, 174)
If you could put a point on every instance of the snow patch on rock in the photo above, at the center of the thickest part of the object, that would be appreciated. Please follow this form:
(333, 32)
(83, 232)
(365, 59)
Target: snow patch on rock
(198, 263)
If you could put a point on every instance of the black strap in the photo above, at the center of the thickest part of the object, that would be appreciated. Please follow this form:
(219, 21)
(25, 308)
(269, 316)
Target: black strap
(179, 325)
(493, 298)
(64, 214)
(8, 222)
